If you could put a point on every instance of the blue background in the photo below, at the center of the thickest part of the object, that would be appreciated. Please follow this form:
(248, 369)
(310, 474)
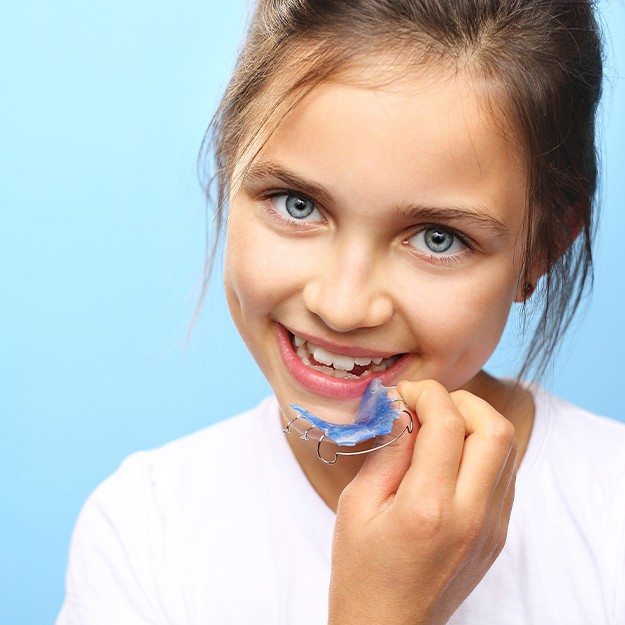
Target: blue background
(103, 106)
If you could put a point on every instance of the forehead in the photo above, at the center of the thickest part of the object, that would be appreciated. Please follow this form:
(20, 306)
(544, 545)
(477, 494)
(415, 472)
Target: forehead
(424, 138)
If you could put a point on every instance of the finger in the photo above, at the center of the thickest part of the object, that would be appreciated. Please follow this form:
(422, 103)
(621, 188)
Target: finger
(383, 470)
(502, 503)
(486, 449)
(438, 445)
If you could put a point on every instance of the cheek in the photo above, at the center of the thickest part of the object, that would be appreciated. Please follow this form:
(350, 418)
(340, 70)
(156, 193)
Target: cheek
(257, 272)
(459, 321)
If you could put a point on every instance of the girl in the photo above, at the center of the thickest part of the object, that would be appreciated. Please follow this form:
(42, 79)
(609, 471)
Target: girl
(393, 175)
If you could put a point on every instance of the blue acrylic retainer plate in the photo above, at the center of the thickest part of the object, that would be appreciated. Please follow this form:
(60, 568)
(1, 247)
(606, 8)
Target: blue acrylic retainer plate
(375, 416)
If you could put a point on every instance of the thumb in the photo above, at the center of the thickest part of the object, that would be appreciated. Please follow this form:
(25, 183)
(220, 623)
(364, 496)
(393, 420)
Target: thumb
(383, 470)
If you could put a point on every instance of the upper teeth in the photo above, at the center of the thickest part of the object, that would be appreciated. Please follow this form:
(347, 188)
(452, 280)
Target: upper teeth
(338, 361)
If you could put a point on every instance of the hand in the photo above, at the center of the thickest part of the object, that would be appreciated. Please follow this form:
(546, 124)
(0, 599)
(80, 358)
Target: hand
(425, 518)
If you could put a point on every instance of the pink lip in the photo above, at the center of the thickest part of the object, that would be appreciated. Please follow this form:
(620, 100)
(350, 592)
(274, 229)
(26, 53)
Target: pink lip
(326, 385)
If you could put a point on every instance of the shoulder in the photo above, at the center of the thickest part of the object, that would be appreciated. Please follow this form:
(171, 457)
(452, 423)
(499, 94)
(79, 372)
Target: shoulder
(581, 434)
(580, 455)
(585, 469)
(157, 487)
(118, 555)
(215, 455)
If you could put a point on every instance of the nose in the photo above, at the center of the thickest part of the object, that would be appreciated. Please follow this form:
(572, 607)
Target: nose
(349, 291)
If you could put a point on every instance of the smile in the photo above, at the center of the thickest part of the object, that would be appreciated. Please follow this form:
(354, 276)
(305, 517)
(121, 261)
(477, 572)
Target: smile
(336, 371)
(339, 365)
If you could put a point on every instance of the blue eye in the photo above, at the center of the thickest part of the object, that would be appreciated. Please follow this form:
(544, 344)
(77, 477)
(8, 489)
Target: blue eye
(296, 207)
(437, 240)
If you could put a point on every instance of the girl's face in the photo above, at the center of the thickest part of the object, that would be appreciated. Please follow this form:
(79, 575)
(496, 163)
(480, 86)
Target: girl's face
(376, 223)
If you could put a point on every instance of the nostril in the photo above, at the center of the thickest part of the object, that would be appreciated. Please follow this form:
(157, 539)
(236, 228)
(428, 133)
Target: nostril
(347, 309)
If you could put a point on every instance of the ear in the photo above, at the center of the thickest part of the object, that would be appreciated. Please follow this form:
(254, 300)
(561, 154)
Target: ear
(540, 267)
(524, 290)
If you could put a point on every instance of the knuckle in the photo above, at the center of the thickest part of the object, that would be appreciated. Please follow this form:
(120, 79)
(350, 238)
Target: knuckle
(502, 433)
(430, 517)
(452, 423)
(462, 394)
(432, 386)
(348, 499)
(473, 528)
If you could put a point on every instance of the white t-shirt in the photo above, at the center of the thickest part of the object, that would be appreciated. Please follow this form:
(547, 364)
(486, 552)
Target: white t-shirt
(222, 527)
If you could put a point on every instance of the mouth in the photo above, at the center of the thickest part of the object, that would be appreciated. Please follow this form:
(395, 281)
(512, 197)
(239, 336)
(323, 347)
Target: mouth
(339, 365)
(341, 376)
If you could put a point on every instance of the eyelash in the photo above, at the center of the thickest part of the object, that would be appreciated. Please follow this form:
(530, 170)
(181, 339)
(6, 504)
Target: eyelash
(437, 259)
(279, 216)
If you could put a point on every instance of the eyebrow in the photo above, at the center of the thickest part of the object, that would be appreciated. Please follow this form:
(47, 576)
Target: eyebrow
(264, 171)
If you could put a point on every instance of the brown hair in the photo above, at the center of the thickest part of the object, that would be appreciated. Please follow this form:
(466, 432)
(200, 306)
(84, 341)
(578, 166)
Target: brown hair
(540, 59)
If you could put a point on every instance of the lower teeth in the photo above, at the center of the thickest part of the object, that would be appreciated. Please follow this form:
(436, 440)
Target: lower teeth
(337, 373)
